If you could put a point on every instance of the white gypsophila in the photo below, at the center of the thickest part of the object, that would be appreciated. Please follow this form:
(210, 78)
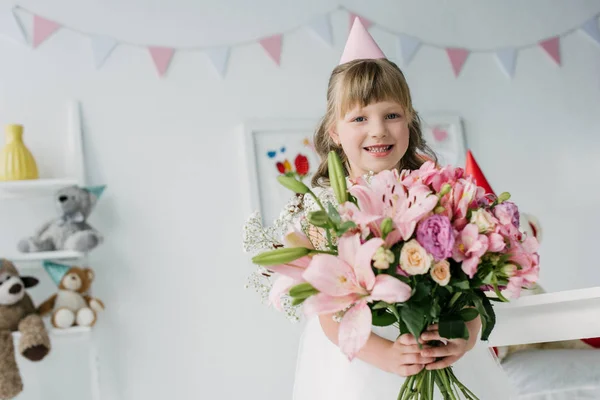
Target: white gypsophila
(258, 238)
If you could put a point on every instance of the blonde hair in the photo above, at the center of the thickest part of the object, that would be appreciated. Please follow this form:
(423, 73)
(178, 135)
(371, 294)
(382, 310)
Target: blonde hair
(360, 83)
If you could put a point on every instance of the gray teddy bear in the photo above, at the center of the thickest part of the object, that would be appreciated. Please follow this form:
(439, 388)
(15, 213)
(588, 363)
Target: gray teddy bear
(70, 231)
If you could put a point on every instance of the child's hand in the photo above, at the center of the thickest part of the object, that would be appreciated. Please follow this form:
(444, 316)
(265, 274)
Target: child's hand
(404, 356)
(453, 350)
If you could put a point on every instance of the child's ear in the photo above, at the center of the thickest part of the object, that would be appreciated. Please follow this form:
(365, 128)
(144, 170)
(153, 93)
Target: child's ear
(334, 136)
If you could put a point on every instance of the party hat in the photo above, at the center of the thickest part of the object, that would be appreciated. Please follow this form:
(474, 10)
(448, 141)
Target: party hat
(473, 169)
(360, 44)
(56, 271)
(96, 190)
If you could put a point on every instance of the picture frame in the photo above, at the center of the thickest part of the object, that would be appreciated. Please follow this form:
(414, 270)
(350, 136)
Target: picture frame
(445, 135)
(268, 144)
(272, 148)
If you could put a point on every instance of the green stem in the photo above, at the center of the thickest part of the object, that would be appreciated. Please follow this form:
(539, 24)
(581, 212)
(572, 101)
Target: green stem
(455, 298)
(447, 385)
(324, 252)
(462, 387)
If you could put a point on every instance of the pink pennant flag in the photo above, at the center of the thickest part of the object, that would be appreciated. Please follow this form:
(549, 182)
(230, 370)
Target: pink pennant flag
(366, 23)
(457, 58)
(161, 57)
(42, 29)
(272, 46)
(552, 47)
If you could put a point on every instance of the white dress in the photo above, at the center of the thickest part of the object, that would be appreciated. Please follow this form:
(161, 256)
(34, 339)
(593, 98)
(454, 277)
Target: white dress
(324, 373)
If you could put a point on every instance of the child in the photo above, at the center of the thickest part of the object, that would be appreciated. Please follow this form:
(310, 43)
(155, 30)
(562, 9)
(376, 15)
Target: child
(371, 124)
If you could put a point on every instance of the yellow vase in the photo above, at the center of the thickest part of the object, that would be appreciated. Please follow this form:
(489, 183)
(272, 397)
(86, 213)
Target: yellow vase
(16, 161)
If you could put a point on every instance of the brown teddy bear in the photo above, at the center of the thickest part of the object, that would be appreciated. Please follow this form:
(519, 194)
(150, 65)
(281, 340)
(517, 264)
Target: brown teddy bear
(71, 305)
(17, 313)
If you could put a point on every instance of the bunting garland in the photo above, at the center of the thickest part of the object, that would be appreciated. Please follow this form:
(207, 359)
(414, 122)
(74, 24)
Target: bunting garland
(407, 46)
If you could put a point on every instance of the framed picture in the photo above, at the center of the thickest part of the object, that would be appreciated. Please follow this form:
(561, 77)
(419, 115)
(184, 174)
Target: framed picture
(274, 148)
(445, 136)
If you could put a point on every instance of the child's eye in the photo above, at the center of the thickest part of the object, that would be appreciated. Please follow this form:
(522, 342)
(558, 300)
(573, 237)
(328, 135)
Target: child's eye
(359, 119)
(393, 116)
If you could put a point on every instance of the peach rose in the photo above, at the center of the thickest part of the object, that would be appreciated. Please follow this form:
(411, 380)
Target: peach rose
(441, 272)
(414, 259)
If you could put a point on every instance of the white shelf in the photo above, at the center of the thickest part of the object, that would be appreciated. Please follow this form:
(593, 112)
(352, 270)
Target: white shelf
(76, 330)
(33, 187)
(45, 255)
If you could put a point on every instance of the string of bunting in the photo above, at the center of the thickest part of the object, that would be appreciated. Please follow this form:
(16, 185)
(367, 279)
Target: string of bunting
(407, 45)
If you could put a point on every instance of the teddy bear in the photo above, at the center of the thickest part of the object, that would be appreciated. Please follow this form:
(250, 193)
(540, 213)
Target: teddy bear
(17, 313)
(71, 305)
(70, 231)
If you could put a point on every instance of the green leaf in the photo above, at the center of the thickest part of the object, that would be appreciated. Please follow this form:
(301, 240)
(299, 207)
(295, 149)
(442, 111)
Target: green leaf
(421, 291)
(318, 218)
(464, 285)
(453, 327)
(414, 318)
(379, 305)
(333, 214)
(488, 316)
(344, 227)
(382, 317)
(468, 314)
(435, 310)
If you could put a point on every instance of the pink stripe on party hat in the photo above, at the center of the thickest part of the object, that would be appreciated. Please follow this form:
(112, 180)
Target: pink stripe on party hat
(360, 44)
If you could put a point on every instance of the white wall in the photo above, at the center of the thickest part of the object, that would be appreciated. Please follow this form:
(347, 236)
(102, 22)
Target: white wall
(179, 323)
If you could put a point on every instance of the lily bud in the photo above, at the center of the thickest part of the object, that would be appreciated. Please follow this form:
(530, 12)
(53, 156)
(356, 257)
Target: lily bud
(503, 197)
(302, 291)
(280, 256)
(386, 226)
(293, 184)
(337, 179)
(446, 188)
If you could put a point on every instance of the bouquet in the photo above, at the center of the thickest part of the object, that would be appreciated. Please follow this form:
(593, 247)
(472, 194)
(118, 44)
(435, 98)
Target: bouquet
(410, 248)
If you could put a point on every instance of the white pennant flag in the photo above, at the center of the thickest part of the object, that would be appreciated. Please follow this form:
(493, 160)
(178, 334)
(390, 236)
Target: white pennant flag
(102, 46)
(321, 26)
(11, 26)
(508, 60)
(219, 57)
(591, 28)
(407, 47)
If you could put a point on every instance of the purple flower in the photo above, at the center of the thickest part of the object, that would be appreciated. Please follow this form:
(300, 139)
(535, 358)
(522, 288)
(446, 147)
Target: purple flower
(507, 213)
(436, 236)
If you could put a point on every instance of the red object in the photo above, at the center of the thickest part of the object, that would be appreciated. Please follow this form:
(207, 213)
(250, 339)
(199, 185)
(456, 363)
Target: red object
(301, 163)
(594, 342)
(280, 167)
(473, 169)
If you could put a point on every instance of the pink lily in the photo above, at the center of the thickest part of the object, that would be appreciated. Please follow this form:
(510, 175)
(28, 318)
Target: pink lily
(290, 274)
(387, 197)
(469, 248)
(349, 281)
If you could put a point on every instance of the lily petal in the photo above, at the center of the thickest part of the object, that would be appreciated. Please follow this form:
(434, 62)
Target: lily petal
(362, 263)
(355, 329)
(332, 276)
(389, 289)
(294, 269)
(322, 303)
(280, 287)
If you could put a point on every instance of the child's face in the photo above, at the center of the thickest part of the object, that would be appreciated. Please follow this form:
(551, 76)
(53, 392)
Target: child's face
(374, 138)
